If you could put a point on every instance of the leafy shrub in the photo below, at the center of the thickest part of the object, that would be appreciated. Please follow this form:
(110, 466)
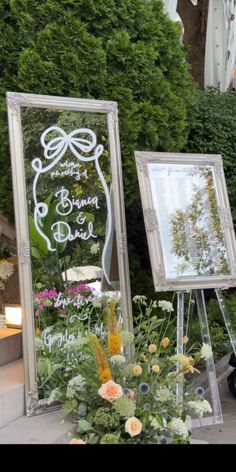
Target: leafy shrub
(122, 50)
(213, 131)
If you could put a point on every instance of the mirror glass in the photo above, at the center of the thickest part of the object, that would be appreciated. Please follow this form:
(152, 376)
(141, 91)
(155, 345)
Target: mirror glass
(191, 234)
(74, 213)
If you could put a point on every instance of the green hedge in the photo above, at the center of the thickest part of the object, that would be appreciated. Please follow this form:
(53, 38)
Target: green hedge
(213, 131)
(122, 50)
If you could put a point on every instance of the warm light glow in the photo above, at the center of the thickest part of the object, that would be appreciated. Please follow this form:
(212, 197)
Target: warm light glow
(13, 315)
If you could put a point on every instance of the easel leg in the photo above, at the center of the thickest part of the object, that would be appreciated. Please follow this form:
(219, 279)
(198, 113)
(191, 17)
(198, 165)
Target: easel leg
(211, 372)
(227, 321)
(180, 335)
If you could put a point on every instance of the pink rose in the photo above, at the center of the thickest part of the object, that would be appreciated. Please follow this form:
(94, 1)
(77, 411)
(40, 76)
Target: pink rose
(110, 391)
(133, 426)
(77, 441)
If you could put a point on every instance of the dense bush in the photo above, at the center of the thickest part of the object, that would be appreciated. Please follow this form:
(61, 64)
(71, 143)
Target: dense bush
(122, 50)
(213, 131)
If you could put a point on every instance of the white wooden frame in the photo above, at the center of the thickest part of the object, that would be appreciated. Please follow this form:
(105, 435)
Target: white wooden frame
(161, 282)
(15, 103)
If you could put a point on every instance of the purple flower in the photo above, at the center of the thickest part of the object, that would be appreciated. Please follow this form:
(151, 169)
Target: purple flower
(199, 391)
(144, 388)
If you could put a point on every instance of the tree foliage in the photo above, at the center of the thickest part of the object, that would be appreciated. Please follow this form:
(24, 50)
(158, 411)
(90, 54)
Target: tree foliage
(213, 131)
(122, 50)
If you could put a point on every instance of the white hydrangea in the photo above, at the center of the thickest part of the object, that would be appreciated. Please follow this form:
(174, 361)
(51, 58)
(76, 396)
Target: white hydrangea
(75, 385)
(156, 425)
(177, 426)
(163, 395)
(140, 299)
(200, 407)
(165, 306)
(54, 396)
(206, 351)
(118, 360)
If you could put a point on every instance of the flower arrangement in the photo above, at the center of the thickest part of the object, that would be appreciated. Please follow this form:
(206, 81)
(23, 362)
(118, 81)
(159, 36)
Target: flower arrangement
(116, 401)
(6, 270)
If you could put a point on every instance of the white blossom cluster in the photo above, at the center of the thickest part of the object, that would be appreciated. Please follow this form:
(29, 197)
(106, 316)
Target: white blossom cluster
(140, 299)
(165, 306)
(177, 426)
(156, 425)
(200, 407)
(206, 351)
(163, 395)
(75, 385)
(118, 360)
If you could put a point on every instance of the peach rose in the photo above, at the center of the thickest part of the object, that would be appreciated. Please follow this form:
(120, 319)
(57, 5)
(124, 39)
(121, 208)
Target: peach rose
(77, 441)
(110, 391)
(133, 426)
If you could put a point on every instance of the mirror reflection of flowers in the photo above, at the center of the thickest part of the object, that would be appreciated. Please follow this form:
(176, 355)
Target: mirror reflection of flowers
(116, 401)
(50, 306)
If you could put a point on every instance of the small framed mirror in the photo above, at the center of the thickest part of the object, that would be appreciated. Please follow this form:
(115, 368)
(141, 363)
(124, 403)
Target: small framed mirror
(188, 221)
(70, 222)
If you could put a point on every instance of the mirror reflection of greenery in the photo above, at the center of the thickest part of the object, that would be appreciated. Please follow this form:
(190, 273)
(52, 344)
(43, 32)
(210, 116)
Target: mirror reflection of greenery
(48, 267)
(196, 232)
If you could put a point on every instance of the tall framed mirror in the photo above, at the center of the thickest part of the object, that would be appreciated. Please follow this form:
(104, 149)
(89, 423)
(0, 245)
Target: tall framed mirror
(70, 222)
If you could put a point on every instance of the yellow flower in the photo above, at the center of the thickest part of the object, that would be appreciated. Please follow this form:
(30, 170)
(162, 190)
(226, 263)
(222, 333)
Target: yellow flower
(185, 339)
(105, 375)
(137, 370)
(152, 348)
(114, 338)
(114, 344)
(156, 368)
(183, 360)
(165, 342)
(187, 364)
(102, 364)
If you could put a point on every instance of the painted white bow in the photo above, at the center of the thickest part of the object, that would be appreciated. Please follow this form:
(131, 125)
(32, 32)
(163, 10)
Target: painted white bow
(56, 147)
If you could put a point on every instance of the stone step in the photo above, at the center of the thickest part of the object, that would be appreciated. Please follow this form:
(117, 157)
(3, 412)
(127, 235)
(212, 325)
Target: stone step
(10, 345)
(48, 428)
(12, 394)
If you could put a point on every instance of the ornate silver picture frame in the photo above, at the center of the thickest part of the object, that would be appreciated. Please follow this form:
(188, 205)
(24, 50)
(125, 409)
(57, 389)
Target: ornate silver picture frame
(188, 220)
(69, 211)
